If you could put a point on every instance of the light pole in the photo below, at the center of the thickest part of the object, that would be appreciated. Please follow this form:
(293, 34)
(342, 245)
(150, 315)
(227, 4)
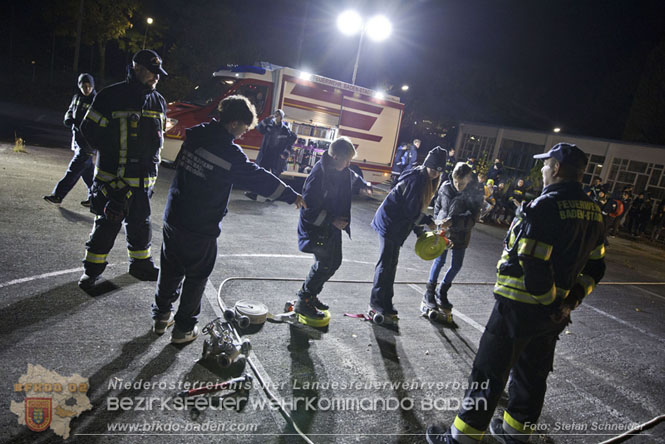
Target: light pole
(149, 21)
(378, 28)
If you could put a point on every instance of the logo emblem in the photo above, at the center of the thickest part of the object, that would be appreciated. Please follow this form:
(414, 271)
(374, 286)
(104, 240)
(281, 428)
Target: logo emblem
(38, 413)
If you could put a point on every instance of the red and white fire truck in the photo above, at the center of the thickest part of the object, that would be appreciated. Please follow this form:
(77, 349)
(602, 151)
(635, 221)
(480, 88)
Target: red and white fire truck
(319, 109)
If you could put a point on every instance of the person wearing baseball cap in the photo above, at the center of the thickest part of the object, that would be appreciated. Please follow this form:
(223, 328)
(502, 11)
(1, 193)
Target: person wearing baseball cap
(147, 67)
(553, 257)
(125, 123)
(569, 156)
(402, 211)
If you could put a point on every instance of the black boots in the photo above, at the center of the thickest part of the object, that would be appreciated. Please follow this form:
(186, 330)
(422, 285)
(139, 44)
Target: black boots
(429, 299)
(144, 270)
(442, 297)
(306, 307)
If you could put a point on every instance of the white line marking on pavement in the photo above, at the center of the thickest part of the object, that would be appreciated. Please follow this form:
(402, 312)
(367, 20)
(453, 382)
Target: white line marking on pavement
(456, 312)
(40, 276)
(305, 256)
(649, 292)
(626, 323)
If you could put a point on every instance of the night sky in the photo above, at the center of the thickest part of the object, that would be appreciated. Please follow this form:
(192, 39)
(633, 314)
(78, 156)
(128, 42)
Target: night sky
(569, 63)
(587, 66)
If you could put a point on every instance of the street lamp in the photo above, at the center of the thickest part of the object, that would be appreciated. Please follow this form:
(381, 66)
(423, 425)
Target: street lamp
(149, 21)
(557, 130)
(405, 87)
(378, 28)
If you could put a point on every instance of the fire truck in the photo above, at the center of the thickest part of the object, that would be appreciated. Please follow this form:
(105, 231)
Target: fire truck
(318, 109)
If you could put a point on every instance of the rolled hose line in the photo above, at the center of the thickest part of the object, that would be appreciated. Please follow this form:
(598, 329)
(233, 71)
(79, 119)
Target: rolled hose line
(287, 416)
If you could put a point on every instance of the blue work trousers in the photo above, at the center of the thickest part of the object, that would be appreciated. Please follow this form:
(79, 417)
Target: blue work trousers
(381, 298)
(187, 259)
(81, 166)
(328, 258)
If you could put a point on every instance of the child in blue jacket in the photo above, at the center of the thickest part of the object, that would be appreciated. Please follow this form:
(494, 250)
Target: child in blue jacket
(401, 212)
(327, 193)
(208, 166)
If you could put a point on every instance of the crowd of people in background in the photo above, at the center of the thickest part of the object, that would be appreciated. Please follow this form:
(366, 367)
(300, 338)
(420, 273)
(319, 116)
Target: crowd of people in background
(635, 214)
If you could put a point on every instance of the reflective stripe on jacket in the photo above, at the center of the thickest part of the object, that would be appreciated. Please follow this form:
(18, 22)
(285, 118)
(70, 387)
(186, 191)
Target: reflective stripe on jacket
(555, 243)
(125, 123)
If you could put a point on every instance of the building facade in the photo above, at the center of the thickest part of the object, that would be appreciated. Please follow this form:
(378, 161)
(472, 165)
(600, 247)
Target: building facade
(616, 163)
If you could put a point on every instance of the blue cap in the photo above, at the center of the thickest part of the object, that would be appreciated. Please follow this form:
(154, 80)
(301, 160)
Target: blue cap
(151, 60)
(565, 154)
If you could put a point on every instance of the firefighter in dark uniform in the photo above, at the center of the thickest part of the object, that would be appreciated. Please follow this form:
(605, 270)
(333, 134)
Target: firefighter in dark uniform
(277, 144)
(553, 258)
(81, 165)
(208, 166)
(125, 123)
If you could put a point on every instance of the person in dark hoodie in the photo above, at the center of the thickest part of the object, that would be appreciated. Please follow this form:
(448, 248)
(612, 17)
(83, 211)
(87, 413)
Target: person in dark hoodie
(456, 209)
(277, 144)
(208, 166)
(402, 211)
(81, 165)
(327, 193)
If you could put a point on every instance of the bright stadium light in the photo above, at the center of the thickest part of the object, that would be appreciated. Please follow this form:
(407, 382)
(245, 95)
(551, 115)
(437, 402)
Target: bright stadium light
(349, 22)
(379, 28)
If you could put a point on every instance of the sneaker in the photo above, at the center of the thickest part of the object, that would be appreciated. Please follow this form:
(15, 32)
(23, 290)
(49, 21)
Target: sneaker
(144, 270)
(251, 195)
(305, 306)
(86, 203)
(55, 200)
(318, 304)
(439, 435)
(498, 432)
(162, 322)
(182, 337)
(87, 282)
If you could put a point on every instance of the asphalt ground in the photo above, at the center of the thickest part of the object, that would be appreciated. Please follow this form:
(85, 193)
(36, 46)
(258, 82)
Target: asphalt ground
(363, 383)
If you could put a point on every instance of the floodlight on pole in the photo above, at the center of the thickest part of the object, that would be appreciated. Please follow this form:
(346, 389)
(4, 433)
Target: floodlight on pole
(148, 21)
(349, 22)
(378, 28)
